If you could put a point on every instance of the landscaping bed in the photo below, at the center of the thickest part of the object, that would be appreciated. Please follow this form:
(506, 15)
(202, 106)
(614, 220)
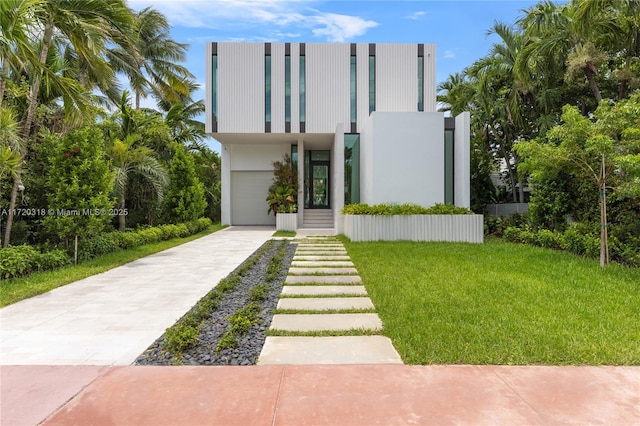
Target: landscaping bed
(228, 325)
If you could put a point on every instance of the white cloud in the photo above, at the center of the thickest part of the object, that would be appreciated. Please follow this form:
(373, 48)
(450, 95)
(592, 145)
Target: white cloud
(449, 54)
(341, 27)
(276, 19)
(416, 15)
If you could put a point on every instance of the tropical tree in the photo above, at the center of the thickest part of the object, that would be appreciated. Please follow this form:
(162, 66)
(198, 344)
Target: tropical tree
(80, 180)
(87, 25)
(185, 200)
(130, 134)
(150, 60)
(607, 152)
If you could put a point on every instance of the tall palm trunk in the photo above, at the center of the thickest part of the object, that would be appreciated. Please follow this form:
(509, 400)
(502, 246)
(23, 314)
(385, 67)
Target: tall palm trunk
(26, 130)
(3, 79)
(122, 225)
(591, 77)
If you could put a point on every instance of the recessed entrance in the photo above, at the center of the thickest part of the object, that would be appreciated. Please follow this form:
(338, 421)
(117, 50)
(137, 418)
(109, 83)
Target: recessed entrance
(317, 179)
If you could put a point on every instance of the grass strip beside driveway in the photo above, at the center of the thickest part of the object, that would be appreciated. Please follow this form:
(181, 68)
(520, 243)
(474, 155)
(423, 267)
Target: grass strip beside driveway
(17, 289)
(501, 303)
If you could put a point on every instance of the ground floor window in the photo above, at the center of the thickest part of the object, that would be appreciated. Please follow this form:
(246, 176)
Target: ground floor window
(351, 169)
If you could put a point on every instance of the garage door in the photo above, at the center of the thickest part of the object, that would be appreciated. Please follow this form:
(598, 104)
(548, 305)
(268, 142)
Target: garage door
(248, 198)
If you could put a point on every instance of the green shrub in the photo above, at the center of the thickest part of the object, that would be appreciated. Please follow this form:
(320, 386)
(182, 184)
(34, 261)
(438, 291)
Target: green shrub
(447, 209)
(17, 260)
(180, 337)
(51, 260)
(150, 235)
(169, 231)
(512, 234)
(99, 245)
(550, 239)
(131, 239)
(389, 209)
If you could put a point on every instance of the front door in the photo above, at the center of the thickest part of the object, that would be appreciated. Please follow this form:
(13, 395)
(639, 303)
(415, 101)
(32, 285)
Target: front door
(319, 185)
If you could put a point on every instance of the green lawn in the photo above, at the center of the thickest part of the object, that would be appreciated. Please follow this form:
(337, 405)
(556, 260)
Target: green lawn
(501, 303)
(12, 291)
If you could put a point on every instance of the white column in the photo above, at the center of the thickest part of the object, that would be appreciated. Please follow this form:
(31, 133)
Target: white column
(462, 161)
(337, 178)
(225, 180)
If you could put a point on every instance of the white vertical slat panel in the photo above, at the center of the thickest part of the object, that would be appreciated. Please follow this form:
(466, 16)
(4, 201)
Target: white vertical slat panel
(277, 87)
(295, 88)
(462, 161)
(241, 87)
(430, 79)
(207, 90)
(328, 83)
(396, 77)
(362, 84)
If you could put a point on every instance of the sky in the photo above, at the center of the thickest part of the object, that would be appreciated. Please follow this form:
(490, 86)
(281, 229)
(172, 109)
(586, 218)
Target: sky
(457, 28)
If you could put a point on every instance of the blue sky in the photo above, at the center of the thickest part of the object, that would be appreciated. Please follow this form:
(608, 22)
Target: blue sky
(457, 27)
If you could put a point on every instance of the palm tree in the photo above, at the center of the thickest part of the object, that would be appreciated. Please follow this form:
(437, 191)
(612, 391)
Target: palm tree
(15, 48)
(128, 159)
(570, 32)
(150, 60)
(88, 25)
(130, 156)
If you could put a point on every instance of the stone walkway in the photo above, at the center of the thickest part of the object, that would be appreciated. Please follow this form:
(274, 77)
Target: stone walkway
(324, 315)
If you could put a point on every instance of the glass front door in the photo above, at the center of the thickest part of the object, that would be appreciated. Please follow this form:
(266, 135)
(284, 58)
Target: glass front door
(319, 185)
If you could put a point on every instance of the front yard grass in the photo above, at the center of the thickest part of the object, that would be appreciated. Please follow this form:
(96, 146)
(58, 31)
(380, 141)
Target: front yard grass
(501, 303)
(17, 289)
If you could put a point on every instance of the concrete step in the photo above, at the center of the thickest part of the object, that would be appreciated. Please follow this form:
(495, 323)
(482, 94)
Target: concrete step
(323, 290)
(299, 258)
(328, 350)
(325, 322)
(324, 303)
(322, 263)
(322, 271)
(328, 279)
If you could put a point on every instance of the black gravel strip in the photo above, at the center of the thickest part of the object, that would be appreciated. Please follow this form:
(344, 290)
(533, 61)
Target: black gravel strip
(250, 344)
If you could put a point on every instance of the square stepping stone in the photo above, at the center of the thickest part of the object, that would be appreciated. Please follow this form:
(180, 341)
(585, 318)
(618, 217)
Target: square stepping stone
(328, 350)
(322, 271)
(323, 290)
(325, 322)
(328, 279)
(324, 303)
(322, 263)
(321, 258)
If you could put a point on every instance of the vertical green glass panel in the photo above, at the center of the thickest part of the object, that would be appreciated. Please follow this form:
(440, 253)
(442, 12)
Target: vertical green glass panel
(214, 82)
(320, 155)
(267, 89)
(287, 89)
(303, 101)
(351, 169)
(294, 156)
(307, 164)
(353, 89)
(448, 167)
(372, 84)
(420, 84)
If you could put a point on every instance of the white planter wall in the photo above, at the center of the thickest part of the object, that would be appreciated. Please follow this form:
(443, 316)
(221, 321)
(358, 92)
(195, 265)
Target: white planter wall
(286, 221)
(453, 228)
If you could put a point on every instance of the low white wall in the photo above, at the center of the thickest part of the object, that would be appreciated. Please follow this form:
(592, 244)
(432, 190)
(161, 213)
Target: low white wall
(453, 228)
(286, 221)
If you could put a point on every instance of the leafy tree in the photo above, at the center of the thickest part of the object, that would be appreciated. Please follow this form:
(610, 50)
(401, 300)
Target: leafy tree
(185, 199)
(150, 60)
(607, 152)
(80, 181)
(207, 164)
(131, 133)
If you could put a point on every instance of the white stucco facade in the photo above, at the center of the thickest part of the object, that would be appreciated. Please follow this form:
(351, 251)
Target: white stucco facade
(265, 100)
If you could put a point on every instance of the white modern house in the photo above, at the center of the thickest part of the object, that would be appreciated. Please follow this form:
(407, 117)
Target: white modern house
(359, 121)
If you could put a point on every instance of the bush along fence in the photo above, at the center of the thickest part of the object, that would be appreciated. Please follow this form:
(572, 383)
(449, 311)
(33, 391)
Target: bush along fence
(576, 239)
(17, 261)
(393, 222)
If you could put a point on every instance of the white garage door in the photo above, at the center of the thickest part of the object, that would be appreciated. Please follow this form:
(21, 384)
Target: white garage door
(248, 198)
